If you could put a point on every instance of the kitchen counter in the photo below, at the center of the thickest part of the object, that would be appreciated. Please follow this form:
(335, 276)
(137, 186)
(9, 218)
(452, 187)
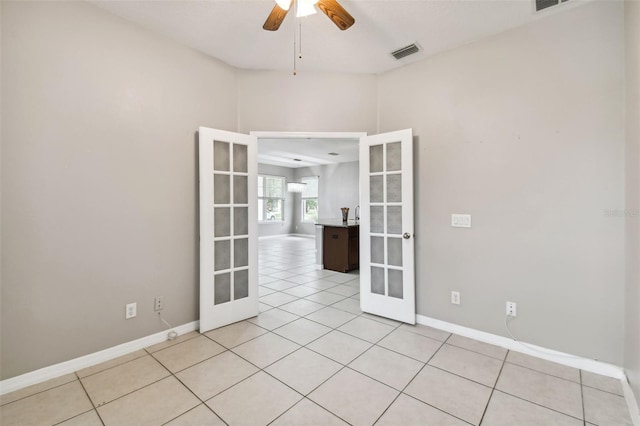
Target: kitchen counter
(337, 223)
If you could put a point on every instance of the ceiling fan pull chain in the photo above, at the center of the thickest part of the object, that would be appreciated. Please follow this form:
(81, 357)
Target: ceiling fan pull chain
(300, 45)
(295, 71)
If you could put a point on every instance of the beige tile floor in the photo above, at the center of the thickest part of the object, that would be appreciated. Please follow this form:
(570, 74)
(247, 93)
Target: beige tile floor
(313, 358)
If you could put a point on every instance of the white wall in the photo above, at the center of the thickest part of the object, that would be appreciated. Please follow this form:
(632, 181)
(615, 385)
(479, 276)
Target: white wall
(308, 102)
(270, 228)
(525, 131)
(632, 296)
(99, 178)
(338, 187)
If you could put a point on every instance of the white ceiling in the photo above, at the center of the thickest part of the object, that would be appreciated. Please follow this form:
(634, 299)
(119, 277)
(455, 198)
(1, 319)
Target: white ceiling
(310, 151)
(231, 30)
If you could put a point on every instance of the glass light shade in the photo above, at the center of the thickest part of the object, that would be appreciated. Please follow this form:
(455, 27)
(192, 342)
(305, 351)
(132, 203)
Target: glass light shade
(305, 9)
(284, 4)
(296, 186)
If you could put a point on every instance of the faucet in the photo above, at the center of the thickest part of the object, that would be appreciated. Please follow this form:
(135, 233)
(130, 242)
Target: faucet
(357, 212)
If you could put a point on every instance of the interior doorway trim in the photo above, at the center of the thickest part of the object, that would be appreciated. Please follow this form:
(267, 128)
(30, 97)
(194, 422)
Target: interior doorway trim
(314, 135)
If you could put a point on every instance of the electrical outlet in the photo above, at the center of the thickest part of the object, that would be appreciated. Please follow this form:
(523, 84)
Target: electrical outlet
(455, 297)
(158, 303)
(130, 310)
(511, 309)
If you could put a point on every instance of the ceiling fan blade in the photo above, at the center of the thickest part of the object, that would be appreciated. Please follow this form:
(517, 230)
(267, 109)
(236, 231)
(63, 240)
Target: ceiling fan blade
(275, 18)
(336, 13)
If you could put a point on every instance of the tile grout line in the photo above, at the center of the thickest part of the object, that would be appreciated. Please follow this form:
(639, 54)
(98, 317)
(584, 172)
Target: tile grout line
(493, 389)
(584, 416)
(89, 398)
(402, 392)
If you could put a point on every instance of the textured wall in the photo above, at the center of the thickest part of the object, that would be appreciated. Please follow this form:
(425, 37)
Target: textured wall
(308, 102)
(99, 178)
(525, 131)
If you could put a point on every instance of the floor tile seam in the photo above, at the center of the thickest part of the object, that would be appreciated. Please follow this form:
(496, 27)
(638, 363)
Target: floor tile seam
(395, 327)
(287, 385)
(205, 401)
(466, 378)
(433, 406)
(602, 390)
(332, 328)
(42, 391)
(215, 341)
(313, 402)
(77, 415)
(425, 402)
(119, 364)
(320, 385)
(297, 343)
(193, 408)
(270, 364)
(189, 366)
(542, 372)
(408, 356)
(348, 366)
(346, 297)
(132, 391)
(344, 310)
(387, 408)
(442, 342)
(373, 343)
(201, 401)
(538, 404)
(199, 362)
(335, 360)
(325, 289)
(584, 414)
(322, 302)
(437, 408)
(302, 297)
(474, 351)
(493, 389)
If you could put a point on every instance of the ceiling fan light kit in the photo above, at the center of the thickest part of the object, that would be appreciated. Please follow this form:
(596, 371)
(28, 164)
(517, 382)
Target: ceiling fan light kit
(340, 17)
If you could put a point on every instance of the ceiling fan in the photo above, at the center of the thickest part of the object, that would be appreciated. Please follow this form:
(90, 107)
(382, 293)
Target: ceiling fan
(331, 8)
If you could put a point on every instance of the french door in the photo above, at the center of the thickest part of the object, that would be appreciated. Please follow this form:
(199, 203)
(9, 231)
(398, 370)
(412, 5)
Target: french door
(228, 228)
(387, 277)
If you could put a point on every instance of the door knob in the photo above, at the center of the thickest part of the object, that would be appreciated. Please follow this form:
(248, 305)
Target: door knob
(406, 235)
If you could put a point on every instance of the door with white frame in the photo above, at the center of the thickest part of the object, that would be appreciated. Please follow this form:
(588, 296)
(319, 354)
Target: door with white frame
(228, 229)
(387, 277)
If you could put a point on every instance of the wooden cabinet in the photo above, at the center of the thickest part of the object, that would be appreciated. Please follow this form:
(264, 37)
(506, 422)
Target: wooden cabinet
(341, 248)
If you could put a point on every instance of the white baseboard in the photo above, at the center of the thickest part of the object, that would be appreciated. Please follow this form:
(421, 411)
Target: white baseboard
(57, 370)
(319, 267)
(312, 236)
(586, 364)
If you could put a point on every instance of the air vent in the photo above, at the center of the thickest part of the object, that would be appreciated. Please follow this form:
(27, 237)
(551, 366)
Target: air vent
(543, 4)
(406, 51)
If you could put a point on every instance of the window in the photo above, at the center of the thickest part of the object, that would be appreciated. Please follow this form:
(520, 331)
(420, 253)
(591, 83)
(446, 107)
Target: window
(310, 199)
(271, 198)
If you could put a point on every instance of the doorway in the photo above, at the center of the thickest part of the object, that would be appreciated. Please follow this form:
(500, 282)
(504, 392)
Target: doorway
(228, 221)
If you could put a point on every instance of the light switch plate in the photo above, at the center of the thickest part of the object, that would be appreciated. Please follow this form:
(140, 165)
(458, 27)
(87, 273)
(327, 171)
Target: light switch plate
(461, 220)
